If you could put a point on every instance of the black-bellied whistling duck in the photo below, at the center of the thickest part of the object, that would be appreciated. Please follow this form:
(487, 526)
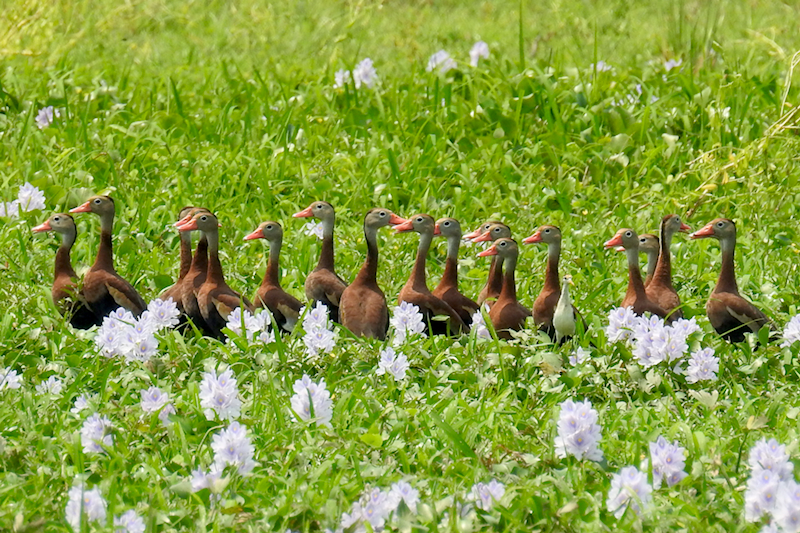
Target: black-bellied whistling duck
(565, 318)
(648, 245)
(507, 314)
(363, 308)
(416, 291)
(196, 275)
(494, 282)
(544, 307)
(660, 289)
(215, 298)
(731, 315)
(103, 288)
(176, 291)
(284, 307)
(447, 290)
(66, 295)
(635, 296)
(323, 284)
(483, 228)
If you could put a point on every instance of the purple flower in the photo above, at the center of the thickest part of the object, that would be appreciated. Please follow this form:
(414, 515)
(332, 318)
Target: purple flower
(668, 462)
(96, 433)
(578, 431)
(629, 489)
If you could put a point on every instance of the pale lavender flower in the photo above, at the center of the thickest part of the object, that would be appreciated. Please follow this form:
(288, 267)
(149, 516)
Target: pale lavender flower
(772, 527)
(668, 462)
(479, 326)
(406, 320)
(51, 385)
(629, 489)
(206, 480)
(309, 395)
(45, 117)
(621, 322)
(219, 395)
(761, 495)
(315, 317)
(30, 198)
(787, 510)
(686, 327)
(672, 63)
(580, 356)
(578, 431)
(129, 522)
(9, 379)
(770, 455)
(791, 333)
(242, 323)
(96, 433)
(485, 495)
(364, 73)
(395, 364)
(703, 366)
(81, 403)
(341, 78)
(164, 314)
(88, 501)
(479, 50)
(156, 401)
(402, 490)
(441, 60)
(313, 228)
(319, 341)
(232, 447)
(601, 66)
(9, 209)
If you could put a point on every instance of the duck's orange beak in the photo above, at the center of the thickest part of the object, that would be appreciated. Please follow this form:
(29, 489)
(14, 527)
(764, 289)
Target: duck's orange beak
(189, 225)
(83, 208)
(437, 230)
(395, 220)
(536, 237)
(257, 234)
(405, 225)
(492, 250)
(685, 228)
(485, 237)
(471, 235)
(706, 231)
(616, 240)
(42, 227)
(305, 213)
(182, 221)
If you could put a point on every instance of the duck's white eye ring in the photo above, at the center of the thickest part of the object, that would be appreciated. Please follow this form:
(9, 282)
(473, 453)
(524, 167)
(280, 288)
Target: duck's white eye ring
(97, 200)
(720, 224)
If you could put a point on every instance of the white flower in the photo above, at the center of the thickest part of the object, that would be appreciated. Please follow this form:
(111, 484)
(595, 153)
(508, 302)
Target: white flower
(403, 490)
(9, 379)
(580, 356)
(257, 326)
(51, 385)
(309, 395)
(601, 66)
(364, 73)
(219, 395)
(787, 511)
(442, 61)
(206, 480)
(479, 325)
(232, 446)
(479, 50)
(672, 63)
(96, 433)
(129, 522)
(668, 462)
(406, 320)
(81, 403)
(629, 488)
(163, 314)
(341, 78)
(393, 363)
(485, 495)
(791, 333)
(30, 198)
(45, 116)
(578, 431)
(770, 455)
(319, 340)
(621, 322)
(315, 318)
(313, 228)
(89, 500)
(761, 495)
(9, 209)
(703, 365)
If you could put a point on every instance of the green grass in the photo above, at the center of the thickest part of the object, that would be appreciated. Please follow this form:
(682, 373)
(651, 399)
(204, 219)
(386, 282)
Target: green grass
(167, 104)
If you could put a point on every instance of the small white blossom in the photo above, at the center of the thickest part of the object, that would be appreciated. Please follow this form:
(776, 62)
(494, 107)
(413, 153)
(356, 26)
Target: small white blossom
(364, 73)
(45, 116)
(672, 63)
(403, 490)
(81, 403)
(703, 366)
(441, 60)
(791, 333)
(310, 396)
(406, 320)
(601, 66)
(629, 489)
(232, 447)
(479, 50)
(30, 198)
(580, 356)
(96, 433)
(164, 314)
(485, 495)
(393, 363)
(9, 209)
(479, 325)
(9, 379)
(578, 431)
(668, 462)
(51, 385)
(313, 228)
(90, 501)
(219, 395)
(341, 78)
(129, 522)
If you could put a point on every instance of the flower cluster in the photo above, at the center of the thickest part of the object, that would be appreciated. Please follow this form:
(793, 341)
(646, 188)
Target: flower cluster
(45, 116)
(123, 335)
(771, 481)
(376, 507)
(395, 364)
(51, 385)
(88, 501)
(580, 356)
(363, 74)
(154, 400)
(81, 403)
(9, 379)
(96, 433)
(319, 338)
(479, 326)
(629, 488)
(441, 60)
(219, 395)
(668, 462)
(244, 324)
(129, 522)
(29, 198)
(406, 321)
(232, 447)
(578, 431)
(485, 495)
(312, 401)
(313, 228)
(479, 50)
(791, 333)
(703, 366)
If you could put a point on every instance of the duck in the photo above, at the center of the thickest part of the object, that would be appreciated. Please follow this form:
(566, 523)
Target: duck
(494, 282)
(416, 291)
(660, 289)
(447, 289)
(175, 291)
(565, 318)
(635, 296)
(362, 308)
(731, 315)
(284, 307)
(483, 228)
(66, 295)
(649, 246)
(215, 298)
(546, 303)
(195, 277)
(105, 290)
(507, 314)
(323, 284)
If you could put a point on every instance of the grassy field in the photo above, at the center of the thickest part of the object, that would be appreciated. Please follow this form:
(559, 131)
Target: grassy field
(232, 106)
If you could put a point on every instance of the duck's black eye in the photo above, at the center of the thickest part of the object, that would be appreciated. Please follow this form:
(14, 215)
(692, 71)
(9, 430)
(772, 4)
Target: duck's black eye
(97, 200)
(383, 213)
(204, 218)
(720, 224)
(319, 206)
(547, 230)
(420, 219)
(446, 223)
(56, 219)
(269, 226)
(628, 234)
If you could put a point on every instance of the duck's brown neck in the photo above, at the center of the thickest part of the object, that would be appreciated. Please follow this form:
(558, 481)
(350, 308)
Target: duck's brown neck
(418, 278)
(200, 259)
(551, 279)
(105, 252)
(326, 254)
(63, 261)
(186, 254)
(450, 275)
(663, 272)
(214, 266)
(369, 271)
(635, 283)
(727, 274)
(273, 265)
(495, 281)
(509, 287)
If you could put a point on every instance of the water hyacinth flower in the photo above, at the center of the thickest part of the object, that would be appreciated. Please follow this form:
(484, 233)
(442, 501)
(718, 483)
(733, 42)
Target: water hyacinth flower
(81, 403)
(601, 66)
(629, 489)
(340, 79)
(578, 431)
(479, 50)
(364, 74)
(313, 228)
(485, 495)
(163, 313)
(156, 401)
(403, 491)
(45, 116)
(672, 63)
(396, 364)
(318, 338)
(761, 495)
(232, 447)
(309, 395)
(88, 501)
(242, 323)
(621, 321)
(96, 433)
(791, 333)
(9, 379)
(580, 356)
(51, 385)
(406, 320)
(129, 522)
(9, 209)
(211, 480)
(770, 455)
(479, 326)
(703, 366)
(30, 198)
(376, 506)
(440, 60)
(219, 395)
(123, 335)
(787, 510)
(668, 462)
